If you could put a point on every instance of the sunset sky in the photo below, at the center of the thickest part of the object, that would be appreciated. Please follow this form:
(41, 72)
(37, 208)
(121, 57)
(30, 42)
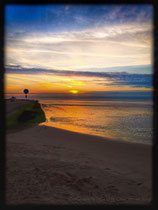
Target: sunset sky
(78, 49)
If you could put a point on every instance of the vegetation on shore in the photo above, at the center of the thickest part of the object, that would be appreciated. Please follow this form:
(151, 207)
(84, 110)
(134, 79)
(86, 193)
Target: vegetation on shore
(28, 114)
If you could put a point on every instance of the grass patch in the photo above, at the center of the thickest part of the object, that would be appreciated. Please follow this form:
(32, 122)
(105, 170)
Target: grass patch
(29, 114)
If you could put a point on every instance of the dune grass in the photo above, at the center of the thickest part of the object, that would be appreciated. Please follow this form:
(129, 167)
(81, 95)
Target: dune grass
(21, 117)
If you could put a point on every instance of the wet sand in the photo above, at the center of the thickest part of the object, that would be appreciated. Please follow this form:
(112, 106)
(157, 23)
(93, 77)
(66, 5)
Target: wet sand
(46, 165)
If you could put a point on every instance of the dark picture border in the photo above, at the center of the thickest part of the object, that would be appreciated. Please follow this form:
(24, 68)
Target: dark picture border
(154, 204)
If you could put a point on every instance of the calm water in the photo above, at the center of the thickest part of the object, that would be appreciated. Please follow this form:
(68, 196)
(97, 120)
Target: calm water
(126, 120)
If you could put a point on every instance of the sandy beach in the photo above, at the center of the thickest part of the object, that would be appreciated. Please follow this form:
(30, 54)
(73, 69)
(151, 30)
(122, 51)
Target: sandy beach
(47, 165)
(79, 89)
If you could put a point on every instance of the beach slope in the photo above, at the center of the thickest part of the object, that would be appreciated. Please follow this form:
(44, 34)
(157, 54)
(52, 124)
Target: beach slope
(46, 165)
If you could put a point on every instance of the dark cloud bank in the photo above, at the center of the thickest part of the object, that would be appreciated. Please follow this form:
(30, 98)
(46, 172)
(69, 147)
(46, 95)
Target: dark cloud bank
(117, 78)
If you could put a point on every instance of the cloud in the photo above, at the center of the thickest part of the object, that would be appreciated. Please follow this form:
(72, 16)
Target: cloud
(105, 32)
(135, 80)
(138, 69)
(116, 78)
(76, 41)
(104, 46)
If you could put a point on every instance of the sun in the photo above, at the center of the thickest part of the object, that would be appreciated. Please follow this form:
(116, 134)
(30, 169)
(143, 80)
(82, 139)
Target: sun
(74, 91)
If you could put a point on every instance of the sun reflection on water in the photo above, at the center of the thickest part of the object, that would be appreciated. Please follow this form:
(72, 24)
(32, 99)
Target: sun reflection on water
(130, 121)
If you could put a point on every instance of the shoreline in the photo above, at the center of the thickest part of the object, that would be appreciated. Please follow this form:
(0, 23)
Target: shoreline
(11, 110)
(119, 140)
(101, 137)
(48, 165)
(76, 169)
(132, 125)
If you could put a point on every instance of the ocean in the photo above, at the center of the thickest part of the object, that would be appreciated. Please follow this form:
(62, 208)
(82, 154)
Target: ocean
(116, 119)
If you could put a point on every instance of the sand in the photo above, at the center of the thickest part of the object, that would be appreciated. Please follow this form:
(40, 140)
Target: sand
(47, 165)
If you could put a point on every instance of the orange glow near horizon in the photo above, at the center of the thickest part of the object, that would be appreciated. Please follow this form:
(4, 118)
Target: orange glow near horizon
(47, 83)
(15, 83)
(74, 91)
(81, 55)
